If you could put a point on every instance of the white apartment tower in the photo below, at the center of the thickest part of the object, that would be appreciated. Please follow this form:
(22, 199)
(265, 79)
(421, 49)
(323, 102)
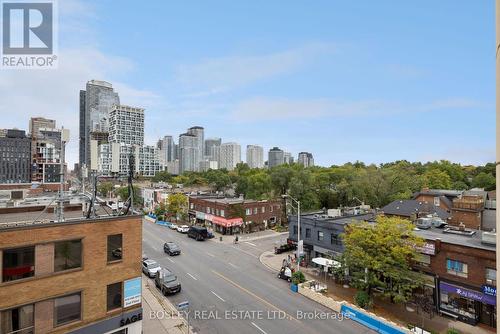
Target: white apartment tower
(230, 155)
(305, 159)
(255, 156)
(126, 125)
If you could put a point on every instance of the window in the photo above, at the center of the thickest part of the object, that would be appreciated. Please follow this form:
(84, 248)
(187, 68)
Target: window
(335, 239)
(248, 212)
(294, 229)
(320, 236)
(271, 208)
(255, 211)
(18, 263)
(18, 320)
(263, 209)
(207, 209)
(436, 201)
(114, 296)
(423, 259)
(456, 268)
(67, 255)
(191, 206)
(308, 232)
(222, 213)
(114, 247)
(491, 276)
(67, 309)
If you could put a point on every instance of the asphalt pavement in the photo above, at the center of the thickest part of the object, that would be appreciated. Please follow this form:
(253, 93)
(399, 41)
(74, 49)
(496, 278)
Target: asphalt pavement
(230, 291)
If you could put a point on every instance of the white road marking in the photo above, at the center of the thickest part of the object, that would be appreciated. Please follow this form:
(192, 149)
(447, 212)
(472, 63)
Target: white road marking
(210, 254)
(232, 265)
(170, 260)
(260, 329)
(192, 277)
(248, 242)
(216, 295)
(247, 253)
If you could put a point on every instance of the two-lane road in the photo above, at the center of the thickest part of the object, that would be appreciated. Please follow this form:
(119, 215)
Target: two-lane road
(230, 291)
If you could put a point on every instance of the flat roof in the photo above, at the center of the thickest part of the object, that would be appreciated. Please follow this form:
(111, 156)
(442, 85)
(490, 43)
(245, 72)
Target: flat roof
(325, 220)
(473, 241)
(225, 200)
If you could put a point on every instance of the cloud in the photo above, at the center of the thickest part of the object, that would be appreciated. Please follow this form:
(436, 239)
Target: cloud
(216, 75)
(265, 109)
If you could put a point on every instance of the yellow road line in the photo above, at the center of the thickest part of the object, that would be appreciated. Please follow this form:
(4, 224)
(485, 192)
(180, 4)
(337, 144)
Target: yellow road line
(254, 295)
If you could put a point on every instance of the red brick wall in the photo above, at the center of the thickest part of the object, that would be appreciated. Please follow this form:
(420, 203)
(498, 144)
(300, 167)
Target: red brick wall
(470, 219)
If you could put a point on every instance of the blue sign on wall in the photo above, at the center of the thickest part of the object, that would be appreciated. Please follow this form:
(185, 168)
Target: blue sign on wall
(369, 321)
(489, 290)
(132, 292)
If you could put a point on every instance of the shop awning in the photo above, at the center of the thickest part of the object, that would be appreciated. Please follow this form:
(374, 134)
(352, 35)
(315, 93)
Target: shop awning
(467, 293)
(227, 222)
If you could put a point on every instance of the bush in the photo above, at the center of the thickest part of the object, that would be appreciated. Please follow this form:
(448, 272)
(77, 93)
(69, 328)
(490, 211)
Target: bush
(298, 277)
(362, 299)
(452, 331)
(160, 218)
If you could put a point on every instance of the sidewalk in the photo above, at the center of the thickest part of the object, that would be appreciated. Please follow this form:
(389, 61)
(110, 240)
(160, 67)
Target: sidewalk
(383, 308)
(154, 303)
(229, 239)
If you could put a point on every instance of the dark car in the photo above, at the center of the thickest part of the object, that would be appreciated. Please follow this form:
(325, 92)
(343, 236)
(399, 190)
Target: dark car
(284, 248)
(167, 282)
(210, 235)
(171, 248)
(198, 232)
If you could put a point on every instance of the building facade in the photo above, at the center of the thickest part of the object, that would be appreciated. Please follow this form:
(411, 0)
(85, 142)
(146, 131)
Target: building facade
(287, 158)
(126, 125)
(46, 156)
(15, 157)
(199, 134)
(230, 155)
(305, 159)
(234, 215)
(255, 156)
(275, 157)
(188, 153)
(210, 144)
(37, 123)
(77, 276)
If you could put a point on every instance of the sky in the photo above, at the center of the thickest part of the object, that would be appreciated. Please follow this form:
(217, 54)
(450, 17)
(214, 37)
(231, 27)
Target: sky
(374, 81)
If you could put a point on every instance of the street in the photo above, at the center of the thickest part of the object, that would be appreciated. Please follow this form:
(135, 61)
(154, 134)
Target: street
(230, 291)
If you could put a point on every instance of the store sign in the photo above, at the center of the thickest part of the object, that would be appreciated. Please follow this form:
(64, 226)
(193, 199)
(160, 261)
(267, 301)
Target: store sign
(131, 319)
(469, 294)
(489, 290)
(132, 292)
(427, 248)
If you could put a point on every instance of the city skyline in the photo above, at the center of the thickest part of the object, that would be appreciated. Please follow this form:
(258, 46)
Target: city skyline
(325, 85)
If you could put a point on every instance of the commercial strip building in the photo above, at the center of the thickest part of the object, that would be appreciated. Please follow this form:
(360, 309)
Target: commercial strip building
(457, 265)
(234, 215)
(77, 276)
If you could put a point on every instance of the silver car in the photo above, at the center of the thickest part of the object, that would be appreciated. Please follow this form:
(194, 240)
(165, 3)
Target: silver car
(150, 267)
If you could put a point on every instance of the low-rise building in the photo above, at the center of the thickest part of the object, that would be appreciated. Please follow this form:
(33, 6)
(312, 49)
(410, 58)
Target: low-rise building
(77, 276)
(235, 215)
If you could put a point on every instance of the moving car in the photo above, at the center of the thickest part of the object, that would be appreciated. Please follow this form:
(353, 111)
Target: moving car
(167, 282)
(183, 229)
(198, 232)
(150, 268)
(171, 248)
(173, 226)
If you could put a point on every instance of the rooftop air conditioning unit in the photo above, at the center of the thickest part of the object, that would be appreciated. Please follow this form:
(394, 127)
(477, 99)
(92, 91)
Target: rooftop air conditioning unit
(489, 238)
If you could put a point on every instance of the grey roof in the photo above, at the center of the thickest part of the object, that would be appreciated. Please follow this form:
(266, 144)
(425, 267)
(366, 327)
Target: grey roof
(439, 192)
(456, 239)
(489, 220)
(477, 192)
(406, 208)
(319, 219)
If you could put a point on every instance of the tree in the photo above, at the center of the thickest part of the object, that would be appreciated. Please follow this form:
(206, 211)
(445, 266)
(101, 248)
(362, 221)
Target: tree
(437, 179)
(484, 180)
(379, 256)
(123, 193)
(104, 188)
(162, 176)
(177, 206)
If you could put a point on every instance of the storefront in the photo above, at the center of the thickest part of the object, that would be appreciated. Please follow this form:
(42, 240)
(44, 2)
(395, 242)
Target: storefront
(466, 304)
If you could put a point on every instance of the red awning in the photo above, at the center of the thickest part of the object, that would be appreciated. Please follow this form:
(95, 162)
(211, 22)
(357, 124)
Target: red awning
(227, 222)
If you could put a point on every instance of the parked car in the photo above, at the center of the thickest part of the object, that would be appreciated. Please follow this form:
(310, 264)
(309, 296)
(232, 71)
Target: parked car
(171, 248)
(183, 229)
(167, 282)
(173, 226)
(144, 257)
(198, 232)
(150, 267)
(283, 248)
(210, 235)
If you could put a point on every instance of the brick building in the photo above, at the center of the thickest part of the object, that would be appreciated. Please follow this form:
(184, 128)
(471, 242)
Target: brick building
(77, 276)
(235, 215)
(459, 269)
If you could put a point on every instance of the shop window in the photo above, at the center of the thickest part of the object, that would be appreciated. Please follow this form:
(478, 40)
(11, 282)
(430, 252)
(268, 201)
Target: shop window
(320, 235)
(114, 247)
(18, 320)
(457, 304)
(456, 268)
(67, 309)
(308, 232)
(67, 255)
(18, 263)
(114, 296)
(491, 276)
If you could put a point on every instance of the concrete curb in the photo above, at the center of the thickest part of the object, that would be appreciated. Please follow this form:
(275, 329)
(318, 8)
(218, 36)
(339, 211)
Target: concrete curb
(261, 260)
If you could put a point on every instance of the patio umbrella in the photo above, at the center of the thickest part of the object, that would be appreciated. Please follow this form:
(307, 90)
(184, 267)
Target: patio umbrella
(327, 263)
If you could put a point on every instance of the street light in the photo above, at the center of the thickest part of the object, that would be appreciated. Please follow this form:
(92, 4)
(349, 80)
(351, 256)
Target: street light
(298, 228)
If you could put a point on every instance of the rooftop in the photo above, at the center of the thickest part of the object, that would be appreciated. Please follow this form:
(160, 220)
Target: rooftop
(406, 208)
(321, 218)
(228, 200)
(473, 241)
